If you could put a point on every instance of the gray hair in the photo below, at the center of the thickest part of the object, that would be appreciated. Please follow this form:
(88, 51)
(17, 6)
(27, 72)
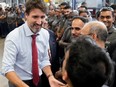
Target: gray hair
(99, 29)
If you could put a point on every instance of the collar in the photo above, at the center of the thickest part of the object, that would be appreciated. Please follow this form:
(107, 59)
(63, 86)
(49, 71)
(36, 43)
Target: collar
(28, 31)
(111, 30)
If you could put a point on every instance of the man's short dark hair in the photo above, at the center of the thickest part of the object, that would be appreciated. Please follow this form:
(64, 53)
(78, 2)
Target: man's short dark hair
(83, 3)
(113, 6)
(87, 65)
(83, 11)
(84, 20)
(107, 9)
(64, 4)
(67, 7)
(32, 4)
(83, 7)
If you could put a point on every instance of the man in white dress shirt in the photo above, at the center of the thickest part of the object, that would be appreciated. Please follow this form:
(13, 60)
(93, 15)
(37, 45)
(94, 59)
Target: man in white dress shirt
(17, 57)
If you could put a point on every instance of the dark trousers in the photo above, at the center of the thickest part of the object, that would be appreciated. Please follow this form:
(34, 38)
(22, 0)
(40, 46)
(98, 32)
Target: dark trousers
(44, 80)
(28, 82)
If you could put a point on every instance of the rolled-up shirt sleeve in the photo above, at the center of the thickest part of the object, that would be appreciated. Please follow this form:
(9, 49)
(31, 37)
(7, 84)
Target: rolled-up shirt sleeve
(9, 56)
(46, 58)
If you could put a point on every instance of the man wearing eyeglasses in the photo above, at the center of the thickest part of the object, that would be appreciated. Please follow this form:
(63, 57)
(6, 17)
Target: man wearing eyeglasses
(106, 16)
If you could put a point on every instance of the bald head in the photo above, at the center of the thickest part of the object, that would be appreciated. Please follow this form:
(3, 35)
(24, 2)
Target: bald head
(95, 28)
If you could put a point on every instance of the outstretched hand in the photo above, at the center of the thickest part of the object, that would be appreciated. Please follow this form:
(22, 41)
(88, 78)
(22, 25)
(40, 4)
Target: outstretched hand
(54, 82)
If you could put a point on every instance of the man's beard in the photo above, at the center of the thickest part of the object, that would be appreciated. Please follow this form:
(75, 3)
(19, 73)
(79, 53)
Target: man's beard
(34, 29)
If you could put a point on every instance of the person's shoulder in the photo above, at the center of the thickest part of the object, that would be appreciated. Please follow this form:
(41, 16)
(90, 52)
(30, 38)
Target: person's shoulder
(14, 34)
(113, 28)
(44, 31)
(111, 47)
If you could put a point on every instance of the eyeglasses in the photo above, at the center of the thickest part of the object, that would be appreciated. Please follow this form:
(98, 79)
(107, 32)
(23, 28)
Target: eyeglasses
(106, 9)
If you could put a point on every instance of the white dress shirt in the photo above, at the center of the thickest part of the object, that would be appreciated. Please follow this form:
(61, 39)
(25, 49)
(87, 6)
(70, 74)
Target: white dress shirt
(18, 51)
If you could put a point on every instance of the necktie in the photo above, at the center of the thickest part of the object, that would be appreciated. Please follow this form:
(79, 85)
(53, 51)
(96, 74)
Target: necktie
(35, 70)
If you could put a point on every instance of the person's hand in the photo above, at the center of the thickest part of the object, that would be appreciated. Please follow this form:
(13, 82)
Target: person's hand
(58, 74)
(55, 83)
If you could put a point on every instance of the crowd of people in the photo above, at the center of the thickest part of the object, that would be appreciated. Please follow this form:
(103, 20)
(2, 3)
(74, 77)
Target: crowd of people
(10, 18)
(73, 48)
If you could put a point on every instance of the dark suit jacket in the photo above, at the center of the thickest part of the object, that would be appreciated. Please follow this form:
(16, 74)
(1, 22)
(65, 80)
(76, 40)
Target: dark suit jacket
(112, 51)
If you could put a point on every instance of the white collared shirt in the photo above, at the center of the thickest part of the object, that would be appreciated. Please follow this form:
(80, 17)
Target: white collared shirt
(18, 52)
